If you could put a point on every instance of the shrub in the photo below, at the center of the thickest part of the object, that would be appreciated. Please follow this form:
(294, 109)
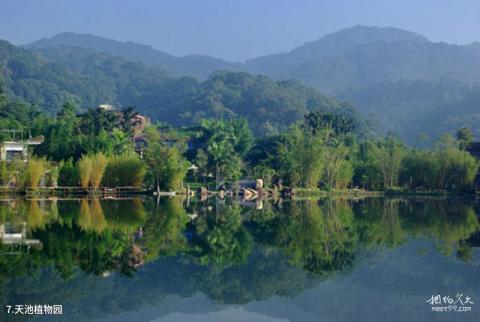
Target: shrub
(34, 172)
(85, 171)
(124, 170)
(91, 169)
(4, 173)
(99, 163)
(68, 175)
(167, 166)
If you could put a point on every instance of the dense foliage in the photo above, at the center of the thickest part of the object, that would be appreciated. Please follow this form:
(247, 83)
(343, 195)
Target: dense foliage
(231, 253)
(193, 65)
(329, 150)
(89, 78)
(268, 106)
(407, 83)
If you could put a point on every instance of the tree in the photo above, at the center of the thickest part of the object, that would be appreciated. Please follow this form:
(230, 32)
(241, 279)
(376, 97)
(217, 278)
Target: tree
(367, 172)
(461, 171)
(61, 136)
(340, 123)
(223, 144)
(338, 171)
(305, 152)
(166, 165)
(389, 153)
(465, 137)
(296, 157)
(68, 174)
(444, 167)
(106, 131)
(344, 175)
(418, 170)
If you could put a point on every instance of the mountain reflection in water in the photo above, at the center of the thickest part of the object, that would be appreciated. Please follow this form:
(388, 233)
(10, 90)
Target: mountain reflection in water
(144, 259)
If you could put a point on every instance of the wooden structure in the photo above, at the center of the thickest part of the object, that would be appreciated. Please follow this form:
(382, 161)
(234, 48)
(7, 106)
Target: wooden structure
(103, 192)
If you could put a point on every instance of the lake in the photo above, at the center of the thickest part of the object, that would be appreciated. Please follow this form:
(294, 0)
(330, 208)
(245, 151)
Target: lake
(172, 259)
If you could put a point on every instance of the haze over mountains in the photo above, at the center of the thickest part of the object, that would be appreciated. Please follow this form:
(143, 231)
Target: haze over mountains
(193, 65)
(355, 57)
(402, 80)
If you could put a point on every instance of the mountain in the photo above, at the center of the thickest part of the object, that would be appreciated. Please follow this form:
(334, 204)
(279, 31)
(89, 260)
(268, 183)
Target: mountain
(331, 45)
(54, 75)
(361, 56)
(49, 83)
(399, 78)
(351, 58)
(29, 77)
(193, 65)
(268, 105)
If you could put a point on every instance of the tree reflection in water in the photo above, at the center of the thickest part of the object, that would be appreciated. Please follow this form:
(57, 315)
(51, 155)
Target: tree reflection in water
(234, 253)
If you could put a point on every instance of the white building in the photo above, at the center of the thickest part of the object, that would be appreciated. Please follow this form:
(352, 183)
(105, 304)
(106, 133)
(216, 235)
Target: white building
(18, 149)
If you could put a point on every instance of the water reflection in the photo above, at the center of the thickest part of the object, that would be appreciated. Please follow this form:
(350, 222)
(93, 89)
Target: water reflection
(389, 223)
(234, 253)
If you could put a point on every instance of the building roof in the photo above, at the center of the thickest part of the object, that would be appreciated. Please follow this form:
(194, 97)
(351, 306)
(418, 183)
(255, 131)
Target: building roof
(12, 144)
(107, 107)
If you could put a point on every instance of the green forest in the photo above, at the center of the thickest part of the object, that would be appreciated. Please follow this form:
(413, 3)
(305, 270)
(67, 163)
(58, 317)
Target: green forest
(213, 132)
(88, 78)
(401, 80)
(336, 179)
(328, 151)
(398, 80)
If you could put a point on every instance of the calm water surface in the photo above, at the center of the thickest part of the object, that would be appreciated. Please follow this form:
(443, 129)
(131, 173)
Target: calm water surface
(178, 260)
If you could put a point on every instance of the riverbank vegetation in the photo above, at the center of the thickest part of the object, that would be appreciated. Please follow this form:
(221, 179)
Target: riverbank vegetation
(328, 150)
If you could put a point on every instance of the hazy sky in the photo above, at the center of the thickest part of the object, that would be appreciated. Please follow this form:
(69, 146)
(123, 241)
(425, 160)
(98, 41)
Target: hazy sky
(233, 29)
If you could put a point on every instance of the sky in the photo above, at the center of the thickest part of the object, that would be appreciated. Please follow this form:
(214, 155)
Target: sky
(234, 30)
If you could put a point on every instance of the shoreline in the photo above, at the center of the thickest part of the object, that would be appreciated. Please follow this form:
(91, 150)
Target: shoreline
(105, 192)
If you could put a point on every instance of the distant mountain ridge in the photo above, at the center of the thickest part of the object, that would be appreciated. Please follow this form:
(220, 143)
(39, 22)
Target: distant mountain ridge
(199, 66)
(331, 45)
(397, 77)
(363, 56)
(351, 58)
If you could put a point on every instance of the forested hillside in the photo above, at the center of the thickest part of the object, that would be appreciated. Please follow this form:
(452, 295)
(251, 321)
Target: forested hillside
(415, 108)
(193, 65)
(360, 57)
(31, 78)
(89, 78)
(405, 82)
(398, 78)
(351, 58)
(269, 106)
